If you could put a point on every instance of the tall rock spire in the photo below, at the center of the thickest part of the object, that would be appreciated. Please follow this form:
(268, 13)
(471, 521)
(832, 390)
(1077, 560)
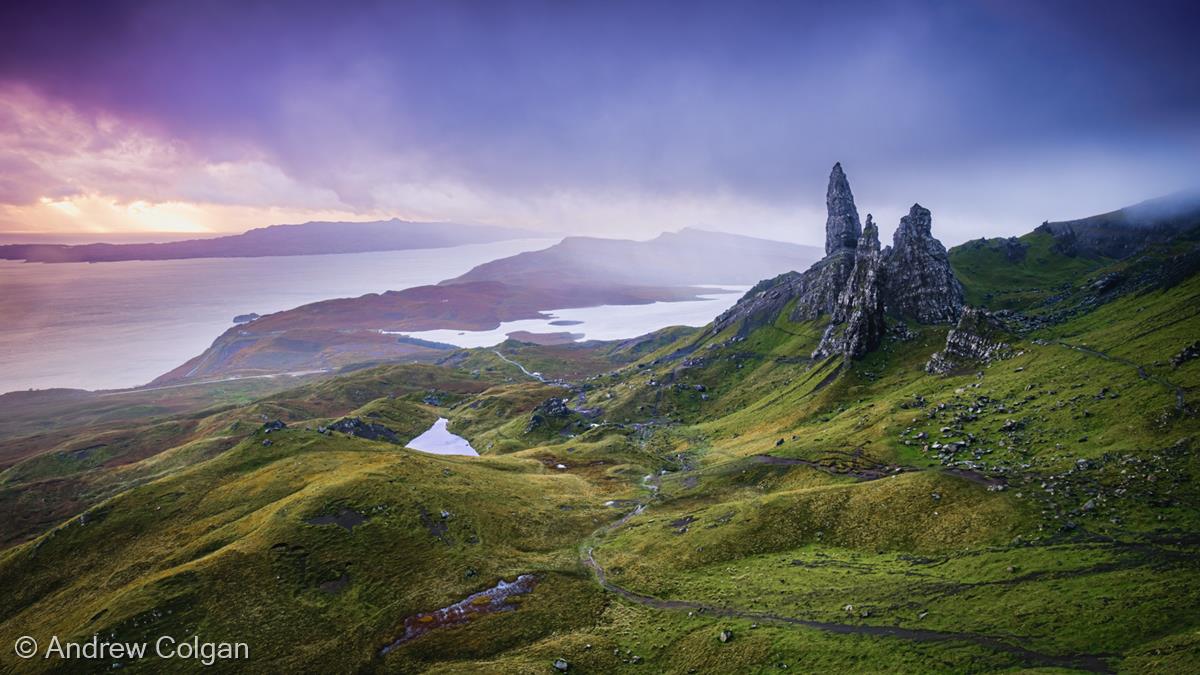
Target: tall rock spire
(921, 284)
(857, 325)
(856, 285)
(842, 227)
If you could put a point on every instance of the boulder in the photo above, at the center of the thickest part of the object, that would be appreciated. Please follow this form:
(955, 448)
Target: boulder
(371, 431)
(550, 409)
(977, 337)
(1186, 354)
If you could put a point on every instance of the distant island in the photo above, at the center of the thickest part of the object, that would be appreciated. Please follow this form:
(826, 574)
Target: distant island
(313, 238)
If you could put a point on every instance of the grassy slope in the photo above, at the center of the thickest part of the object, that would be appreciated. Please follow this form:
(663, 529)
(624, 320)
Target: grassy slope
(217, 543)
(759, 531)
(992, 280)
(81, 467)
(224, 549)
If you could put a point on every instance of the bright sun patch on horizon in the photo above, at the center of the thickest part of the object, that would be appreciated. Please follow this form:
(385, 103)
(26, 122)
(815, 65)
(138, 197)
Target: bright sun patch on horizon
(68, 172)
(100, 214)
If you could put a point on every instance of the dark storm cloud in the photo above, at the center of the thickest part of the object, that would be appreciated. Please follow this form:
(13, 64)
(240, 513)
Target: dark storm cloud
(750, 99)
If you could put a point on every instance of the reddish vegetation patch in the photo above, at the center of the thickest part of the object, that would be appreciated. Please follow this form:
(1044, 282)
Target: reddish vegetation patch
(494, 599)
(334, 333)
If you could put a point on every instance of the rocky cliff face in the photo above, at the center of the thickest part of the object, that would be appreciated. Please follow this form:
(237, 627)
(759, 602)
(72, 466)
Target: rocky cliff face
(921, 284)
(857, 325)
(817, 289)
(842, 227)
(978, 337)
(856, 284)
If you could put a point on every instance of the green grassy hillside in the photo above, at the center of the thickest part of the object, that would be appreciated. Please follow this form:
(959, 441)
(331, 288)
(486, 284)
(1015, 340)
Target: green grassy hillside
(687, 502)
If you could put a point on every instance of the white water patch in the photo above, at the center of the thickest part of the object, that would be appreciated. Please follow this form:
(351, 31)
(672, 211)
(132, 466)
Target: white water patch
(604, 322)
(438, 440)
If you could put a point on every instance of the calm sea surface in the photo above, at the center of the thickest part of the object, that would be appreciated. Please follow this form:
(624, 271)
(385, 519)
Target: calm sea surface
(116, 325)
(605, 322)
(121, 324)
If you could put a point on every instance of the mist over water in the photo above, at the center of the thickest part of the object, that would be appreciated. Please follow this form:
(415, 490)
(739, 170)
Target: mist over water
(604, 322)
(121, 324)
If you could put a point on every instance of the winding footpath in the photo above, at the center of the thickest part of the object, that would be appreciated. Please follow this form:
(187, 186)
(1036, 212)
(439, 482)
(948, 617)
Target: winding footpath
(536, 376)
(1086, 662)
(1180, 401)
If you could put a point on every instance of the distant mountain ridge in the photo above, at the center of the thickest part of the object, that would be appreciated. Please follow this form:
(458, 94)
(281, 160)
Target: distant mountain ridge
(311, 238)
(689, 257)
(1118, 234)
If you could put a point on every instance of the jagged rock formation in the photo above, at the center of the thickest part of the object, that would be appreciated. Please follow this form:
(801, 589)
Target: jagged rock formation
(921, 285)
(815, 290)
(842, 228)
(978, 337)
(856, 283)
(858, 325)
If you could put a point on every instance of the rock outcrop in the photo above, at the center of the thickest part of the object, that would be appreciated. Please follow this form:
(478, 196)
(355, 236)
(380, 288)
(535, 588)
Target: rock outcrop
(547, 411)
(978, 337)
(1186, 354)
(816, 290)
(372, 431)
(857, 325)
(842, 227)
(921, 285)
(856, 284)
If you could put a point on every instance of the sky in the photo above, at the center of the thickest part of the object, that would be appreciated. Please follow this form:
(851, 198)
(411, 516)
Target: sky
(604, 118)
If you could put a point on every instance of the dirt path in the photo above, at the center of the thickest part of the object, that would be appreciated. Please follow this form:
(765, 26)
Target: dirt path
(1087, 662)
(536, 376)
(1180, 401)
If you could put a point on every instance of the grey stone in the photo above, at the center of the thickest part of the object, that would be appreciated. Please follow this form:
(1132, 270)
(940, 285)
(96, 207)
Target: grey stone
(920, 283)
(857, 325)
(978, 337)
(842, 227)
(856, 284)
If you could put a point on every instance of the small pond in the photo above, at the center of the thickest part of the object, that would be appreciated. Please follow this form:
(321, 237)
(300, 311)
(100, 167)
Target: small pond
(437, 440)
